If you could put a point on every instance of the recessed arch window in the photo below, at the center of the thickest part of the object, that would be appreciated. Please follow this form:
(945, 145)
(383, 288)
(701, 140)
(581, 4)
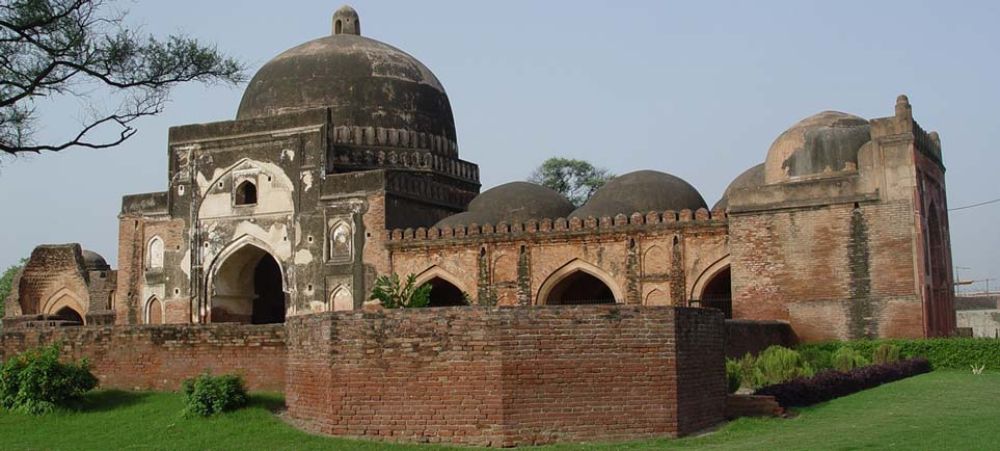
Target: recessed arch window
(246, 193)
(155, 253)
(341, 242)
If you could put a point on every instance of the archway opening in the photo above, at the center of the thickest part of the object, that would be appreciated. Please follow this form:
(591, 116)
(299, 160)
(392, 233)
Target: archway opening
(718, 293)
(69, 315)
(580, 288)
(269, 303)
(445, 294)
(248, 288)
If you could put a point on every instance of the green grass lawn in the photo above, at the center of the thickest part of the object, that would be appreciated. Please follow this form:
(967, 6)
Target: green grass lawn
(941, 410)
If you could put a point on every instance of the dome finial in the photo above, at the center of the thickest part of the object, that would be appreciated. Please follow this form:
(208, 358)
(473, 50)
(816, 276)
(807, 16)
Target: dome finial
(346, 21)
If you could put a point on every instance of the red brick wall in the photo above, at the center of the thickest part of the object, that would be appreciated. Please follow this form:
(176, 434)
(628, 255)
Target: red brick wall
(160, 357)
(506, 377)
(743, 336)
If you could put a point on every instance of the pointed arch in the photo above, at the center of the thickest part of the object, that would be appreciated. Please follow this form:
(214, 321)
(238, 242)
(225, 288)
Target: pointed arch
(569, 269)
(656, 297)
(656, 260)
(246, 193)
(341, 245)
(62, 302)
(706, 276)
(153, 311)
(440, 273)
(246, 284)
(341, 300)
(154, 253)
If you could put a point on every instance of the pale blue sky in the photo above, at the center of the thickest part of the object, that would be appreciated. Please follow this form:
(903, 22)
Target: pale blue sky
(697, 89)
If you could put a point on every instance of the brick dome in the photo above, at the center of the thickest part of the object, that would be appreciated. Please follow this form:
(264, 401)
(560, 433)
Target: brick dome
(364, 83)
(511, 203)
(820, 145)
(641, 191)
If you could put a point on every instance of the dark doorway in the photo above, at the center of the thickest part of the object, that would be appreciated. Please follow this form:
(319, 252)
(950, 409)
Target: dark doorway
(269, 303)
(718, 293)
(70, 315)
(444, 294)
(580, 288)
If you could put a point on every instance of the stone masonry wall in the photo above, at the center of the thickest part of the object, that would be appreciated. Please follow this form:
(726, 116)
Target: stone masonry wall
(160, 357)
(507, 377)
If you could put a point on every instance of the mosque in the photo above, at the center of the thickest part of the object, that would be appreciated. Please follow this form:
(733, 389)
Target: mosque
(342, 164)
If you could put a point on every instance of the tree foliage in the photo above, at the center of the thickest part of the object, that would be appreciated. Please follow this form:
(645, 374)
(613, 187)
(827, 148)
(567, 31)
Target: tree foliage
(575, 179)
(393, 293)
(7, 282)
(83, 49)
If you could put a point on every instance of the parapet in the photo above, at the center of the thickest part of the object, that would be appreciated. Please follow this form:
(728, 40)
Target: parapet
(572, 226)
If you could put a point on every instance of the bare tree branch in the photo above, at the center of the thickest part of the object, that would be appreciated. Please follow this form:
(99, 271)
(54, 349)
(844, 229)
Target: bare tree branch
(50, 48)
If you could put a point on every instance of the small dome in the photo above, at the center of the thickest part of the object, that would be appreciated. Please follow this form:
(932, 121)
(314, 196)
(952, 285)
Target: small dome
(93, 261)
(512, 203)
(823, 144)
(641, 191)
(750, 178)
(364, 83)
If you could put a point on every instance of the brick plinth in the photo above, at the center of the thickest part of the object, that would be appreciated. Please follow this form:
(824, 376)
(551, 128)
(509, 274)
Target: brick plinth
(508, 377)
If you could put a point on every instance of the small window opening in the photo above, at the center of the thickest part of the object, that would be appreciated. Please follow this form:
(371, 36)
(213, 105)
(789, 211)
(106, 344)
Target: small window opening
(338, 27)
(246, 193)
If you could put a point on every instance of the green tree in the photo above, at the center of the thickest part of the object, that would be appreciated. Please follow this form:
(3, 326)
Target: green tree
(7, 282)
(575, 179)
(84, 49)
(393, 293)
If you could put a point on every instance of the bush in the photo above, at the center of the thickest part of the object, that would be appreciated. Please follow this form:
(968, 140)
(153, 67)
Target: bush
(846, 359)
(834, 384)
(885, 353)
(750, 375)
(779, 364)
(208, 395)
(393, 293)
(943, 353)
(734, 376)
(36, 382)
(818, 359)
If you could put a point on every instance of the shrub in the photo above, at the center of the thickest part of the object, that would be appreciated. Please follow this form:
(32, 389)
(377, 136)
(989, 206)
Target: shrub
(750, 375)
(734, 376)
(846, 359)
(885, 353)
(393, 294)
(818, 359)
(778, 364)
(943, 353)
(834, 384)
(36, 382)
(208, 395)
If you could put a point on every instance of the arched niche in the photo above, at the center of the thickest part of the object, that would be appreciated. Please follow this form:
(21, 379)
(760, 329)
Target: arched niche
(579, 282)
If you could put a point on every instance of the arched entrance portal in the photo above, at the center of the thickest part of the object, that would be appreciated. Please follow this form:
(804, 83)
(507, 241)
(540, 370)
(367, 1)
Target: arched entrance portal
(580, 288)
(248, 288)
(444, 294)
(70, 315)
(718, 292)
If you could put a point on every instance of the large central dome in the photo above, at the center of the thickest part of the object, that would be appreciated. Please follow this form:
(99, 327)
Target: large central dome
(365, 83)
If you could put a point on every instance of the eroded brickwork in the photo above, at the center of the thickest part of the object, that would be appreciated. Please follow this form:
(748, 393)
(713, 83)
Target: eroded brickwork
(506, 377)
(161, 357)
